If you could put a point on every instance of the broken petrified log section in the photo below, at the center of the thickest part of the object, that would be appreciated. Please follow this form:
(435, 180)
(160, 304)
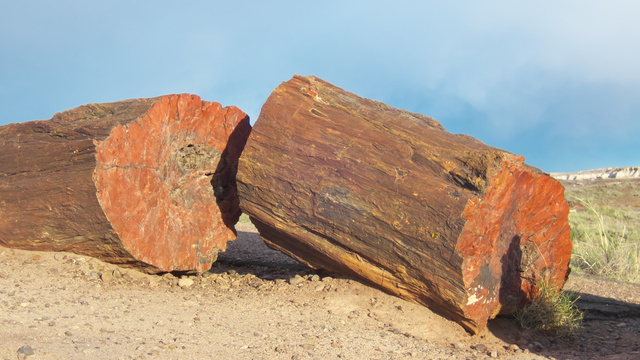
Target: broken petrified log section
(148, 183)
(353, 186)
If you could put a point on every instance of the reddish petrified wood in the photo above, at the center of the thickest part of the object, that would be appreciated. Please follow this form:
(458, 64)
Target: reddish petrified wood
(356, 187)
(147, 182)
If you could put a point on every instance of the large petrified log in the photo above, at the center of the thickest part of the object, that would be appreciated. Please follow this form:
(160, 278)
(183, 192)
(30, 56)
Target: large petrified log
(148, 183)
(355, 187)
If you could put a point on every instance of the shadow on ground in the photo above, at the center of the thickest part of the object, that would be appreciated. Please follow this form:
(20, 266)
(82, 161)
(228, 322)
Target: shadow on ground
(611, 328)
(248, 254)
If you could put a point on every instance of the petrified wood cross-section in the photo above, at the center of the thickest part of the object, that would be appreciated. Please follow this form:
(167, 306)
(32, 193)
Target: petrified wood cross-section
(356, 187)
(146, 182)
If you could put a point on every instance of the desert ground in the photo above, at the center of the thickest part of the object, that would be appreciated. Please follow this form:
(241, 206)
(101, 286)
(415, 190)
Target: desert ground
(256, 303)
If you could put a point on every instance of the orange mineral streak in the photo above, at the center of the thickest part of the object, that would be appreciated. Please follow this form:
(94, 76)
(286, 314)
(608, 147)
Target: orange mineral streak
(508, 249)
(154, 176)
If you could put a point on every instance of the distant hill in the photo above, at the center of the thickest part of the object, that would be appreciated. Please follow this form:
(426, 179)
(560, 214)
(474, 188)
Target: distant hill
(607, 173)
(616, 188)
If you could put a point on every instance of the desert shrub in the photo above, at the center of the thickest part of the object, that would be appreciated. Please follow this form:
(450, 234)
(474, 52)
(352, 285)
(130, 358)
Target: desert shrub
(606, 242)
(551, 311)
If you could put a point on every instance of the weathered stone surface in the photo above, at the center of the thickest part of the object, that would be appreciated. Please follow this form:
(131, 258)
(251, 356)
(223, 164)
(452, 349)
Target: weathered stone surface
(356, 187)
(146, 182)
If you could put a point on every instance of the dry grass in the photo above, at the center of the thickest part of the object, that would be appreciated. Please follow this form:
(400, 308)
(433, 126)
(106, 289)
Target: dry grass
(244, 219)
(552, 312)
(606, 242)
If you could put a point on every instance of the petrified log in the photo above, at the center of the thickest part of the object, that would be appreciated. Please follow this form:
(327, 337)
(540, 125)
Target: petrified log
(355, 187)
(148, 183)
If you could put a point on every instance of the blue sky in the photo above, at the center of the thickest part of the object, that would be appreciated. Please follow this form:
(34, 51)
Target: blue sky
(555, 81)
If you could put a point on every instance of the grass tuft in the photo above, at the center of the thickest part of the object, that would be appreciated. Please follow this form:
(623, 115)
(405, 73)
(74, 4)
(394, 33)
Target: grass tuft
(551, 311)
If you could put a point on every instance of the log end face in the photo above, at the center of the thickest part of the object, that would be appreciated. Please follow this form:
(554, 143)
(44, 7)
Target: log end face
(167, 181)
(516, 236)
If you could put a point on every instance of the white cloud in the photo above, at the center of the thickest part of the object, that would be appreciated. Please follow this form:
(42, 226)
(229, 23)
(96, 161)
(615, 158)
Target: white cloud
(506, 69)
(515, 61)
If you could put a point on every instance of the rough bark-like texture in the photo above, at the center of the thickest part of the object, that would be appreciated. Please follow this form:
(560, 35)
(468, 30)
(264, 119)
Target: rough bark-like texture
(148, 183)
(356, 187)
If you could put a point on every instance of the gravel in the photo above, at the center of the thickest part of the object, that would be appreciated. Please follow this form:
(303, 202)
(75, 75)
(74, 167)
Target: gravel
(66, 306)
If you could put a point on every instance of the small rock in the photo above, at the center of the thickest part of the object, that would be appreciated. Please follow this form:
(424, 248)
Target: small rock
(116, 274)
(185, 282)
(513, 347)
(315, 277)
(25, 351)
(621, 325)
(493, 354)
(107, 276)
(296, 280)
(458, 346)
(78, 261)
(481, 347)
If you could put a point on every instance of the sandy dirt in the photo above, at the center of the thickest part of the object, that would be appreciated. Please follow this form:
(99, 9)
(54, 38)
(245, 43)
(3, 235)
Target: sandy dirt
(259, 304)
